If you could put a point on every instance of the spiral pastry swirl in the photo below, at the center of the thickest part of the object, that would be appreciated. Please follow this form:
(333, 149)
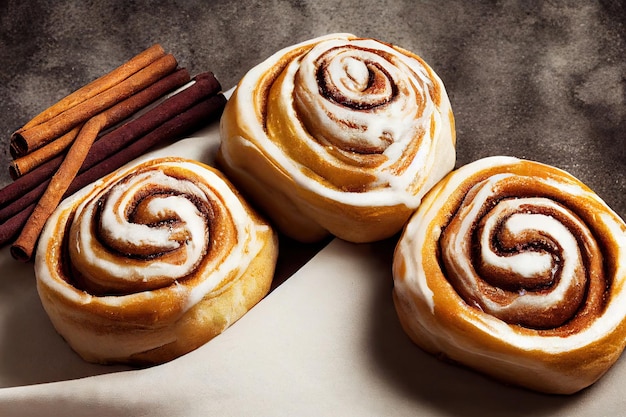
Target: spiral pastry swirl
(152, 261)
(339, 135)
(516, 269)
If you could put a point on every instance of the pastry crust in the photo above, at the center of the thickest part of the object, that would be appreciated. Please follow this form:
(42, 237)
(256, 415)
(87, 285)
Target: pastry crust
(338, 135)
(515, 269)
(152, 261)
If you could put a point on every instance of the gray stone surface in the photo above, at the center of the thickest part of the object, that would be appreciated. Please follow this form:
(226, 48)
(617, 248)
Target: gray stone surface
(534, 79)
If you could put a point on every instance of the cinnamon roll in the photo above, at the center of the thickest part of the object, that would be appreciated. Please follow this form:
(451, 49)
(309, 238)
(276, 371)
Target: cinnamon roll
(516, 269)
(338, 135)
(152, 261)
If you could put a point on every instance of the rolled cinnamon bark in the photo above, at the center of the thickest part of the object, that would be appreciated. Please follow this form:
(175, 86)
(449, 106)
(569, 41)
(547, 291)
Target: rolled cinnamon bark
(16, 196)
(190, 120)
(27, 140)
(24, 246)
(99, 85)
(23, 200)
(10, 228)
(184, 123)
(26, 163)
(115, 114)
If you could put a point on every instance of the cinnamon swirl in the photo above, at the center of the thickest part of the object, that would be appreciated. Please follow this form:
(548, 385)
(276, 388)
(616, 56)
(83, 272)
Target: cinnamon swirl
(339, 135)
(152, 261)
(516, 269)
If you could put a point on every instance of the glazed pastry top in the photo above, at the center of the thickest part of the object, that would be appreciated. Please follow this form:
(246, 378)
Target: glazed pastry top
(341, 113)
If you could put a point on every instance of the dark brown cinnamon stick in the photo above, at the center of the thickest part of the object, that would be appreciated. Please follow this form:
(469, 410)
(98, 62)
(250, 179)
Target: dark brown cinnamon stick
(28, 188)
(10, 228)
(186, 122)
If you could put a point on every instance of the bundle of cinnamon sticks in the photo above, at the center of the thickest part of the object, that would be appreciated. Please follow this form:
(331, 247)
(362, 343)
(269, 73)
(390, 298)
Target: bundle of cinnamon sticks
(146, 101)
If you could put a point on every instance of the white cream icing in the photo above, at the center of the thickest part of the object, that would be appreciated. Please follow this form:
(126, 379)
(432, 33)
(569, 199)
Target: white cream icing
(246, 248)
(523, 263)
(389, 128)
(414, 282)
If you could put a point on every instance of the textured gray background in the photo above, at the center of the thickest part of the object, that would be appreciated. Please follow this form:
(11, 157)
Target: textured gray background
(534, 79)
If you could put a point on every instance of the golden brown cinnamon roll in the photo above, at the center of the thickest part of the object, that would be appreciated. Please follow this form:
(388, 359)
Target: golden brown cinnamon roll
(152, 261)
(339, 135)
(518, 270)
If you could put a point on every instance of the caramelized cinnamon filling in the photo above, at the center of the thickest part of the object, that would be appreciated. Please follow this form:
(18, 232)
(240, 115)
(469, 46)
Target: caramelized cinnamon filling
(527, 260)
(142, 227)
(376, 86)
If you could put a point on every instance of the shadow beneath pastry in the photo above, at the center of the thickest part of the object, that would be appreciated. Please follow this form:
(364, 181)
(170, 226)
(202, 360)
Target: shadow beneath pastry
(293, 255)
(439, 387)
(31, 352)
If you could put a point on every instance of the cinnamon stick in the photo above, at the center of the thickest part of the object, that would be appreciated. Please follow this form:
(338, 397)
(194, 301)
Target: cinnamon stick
(199, 115)
(187, 122)
(22, 201)
(10, 228)
(24, 164)
(117, 113)
(99, 85)
(18, 195)
(27, 140)
(24, 246)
